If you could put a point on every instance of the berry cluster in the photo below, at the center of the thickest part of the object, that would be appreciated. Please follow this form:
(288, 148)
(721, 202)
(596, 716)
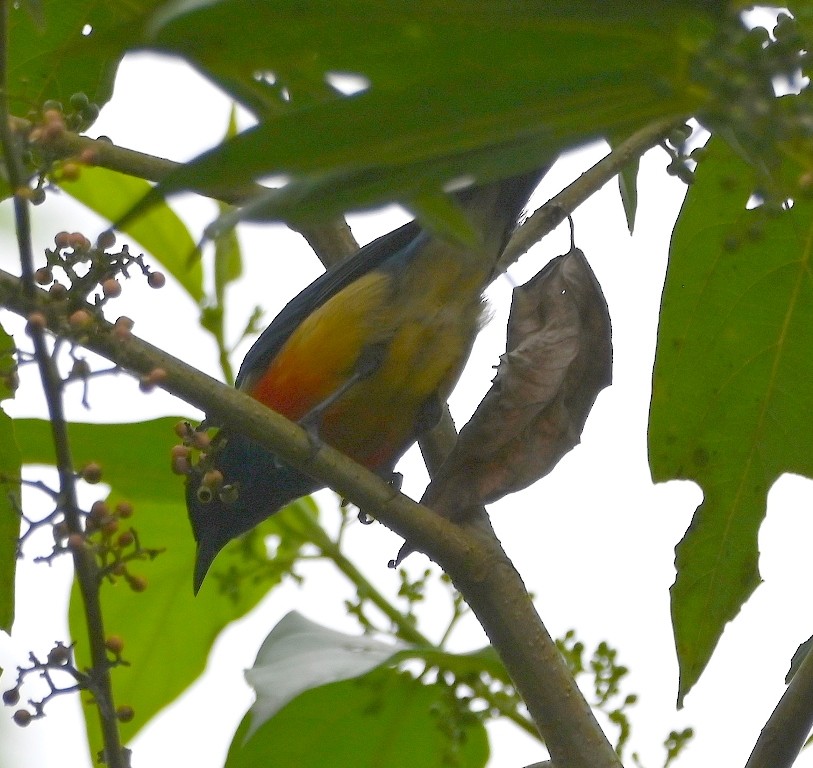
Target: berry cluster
(90, 270)
(59, 666)
(49, 128)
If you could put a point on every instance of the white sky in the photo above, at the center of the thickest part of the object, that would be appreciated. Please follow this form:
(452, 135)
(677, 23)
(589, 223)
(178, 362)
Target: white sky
(594, 541)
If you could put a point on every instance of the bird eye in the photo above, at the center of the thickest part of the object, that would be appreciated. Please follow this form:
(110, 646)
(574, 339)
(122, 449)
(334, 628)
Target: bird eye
(204, 494)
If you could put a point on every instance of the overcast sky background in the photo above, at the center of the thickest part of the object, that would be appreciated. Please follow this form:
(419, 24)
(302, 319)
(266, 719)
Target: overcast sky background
(594, 541)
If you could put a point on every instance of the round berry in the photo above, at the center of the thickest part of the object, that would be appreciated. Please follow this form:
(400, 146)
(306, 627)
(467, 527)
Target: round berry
(58, 291)
(79, 101)
(111, 288)
(114, 644)
(36, 322)
(11, 696)
(62, 239)
(80, 319)
(124, 510)
(106, 239)
(23, 717)
(44, 276)
(125, 714)
(92, 473)
(70, 172)
(156, 280)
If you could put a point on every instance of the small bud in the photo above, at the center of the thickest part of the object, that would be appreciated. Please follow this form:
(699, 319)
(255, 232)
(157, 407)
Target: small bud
(99, 511)
(182, 429)
(70, 172)
(106, 239)
(110, 526)
(44, 276)
(156, 280)
(111, 288)
(79, 242)
(125, 539)
(58, 291)
(200, 440)
(92, 473)
(125, 714)
(79, 101)
(11, 696)
(181, 465)
(76, 541)
(122, 328)
(36, 322)
(80, 319)
(23, 717)
(114, 644)
(137, 583)
(124, 510)
(89, 156)
(212, 479)
(152, 379)
(62, 239)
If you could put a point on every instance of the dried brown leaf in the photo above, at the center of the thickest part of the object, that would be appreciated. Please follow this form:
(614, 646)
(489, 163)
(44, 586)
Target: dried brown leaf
(559, 357)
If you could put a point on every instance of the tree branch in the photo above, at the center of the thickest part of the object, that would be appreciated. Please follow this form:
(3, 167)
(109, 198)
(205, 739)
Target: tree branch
(783, 736)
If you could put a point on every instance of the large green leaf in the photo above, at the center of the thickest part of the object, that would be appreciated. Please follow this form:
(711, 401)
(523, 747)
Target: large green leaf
(59, 48)
(462, 87)
(10, 465)
(383, 718)
(167, 632)
(732, 386)
(159, 231)
(134, 457)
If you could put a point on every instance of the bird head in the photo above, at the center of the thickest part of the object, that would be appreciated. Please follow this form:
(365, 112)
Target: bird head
(236, 486)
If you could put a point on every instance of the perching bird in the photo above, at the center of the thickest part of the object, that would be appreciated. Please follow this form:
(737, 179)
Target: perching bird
(363, 358)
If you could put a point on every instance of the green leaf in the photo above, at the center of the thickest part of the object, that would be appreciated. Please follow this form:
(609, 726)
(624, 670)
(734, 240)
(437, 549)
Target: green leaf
(159, 231)
(66, 48)
(10, 468)
(732, 387)
(299, 654)
(448, 95)
(134, 457)
(384, 718)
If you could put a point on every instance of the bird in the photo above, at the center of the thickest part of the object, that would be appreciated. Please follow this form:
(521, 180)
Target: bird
(364, 358)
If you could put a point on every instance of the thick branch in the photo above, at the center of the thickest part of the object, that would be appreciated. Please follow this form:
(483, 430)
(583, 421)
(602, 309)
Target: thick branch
(783, 736)
(469, 554)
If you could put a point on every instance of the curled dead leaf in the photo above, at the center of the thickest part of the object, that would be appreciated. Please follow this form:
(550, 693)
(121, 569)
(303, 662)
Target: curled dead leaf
(558, 358)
